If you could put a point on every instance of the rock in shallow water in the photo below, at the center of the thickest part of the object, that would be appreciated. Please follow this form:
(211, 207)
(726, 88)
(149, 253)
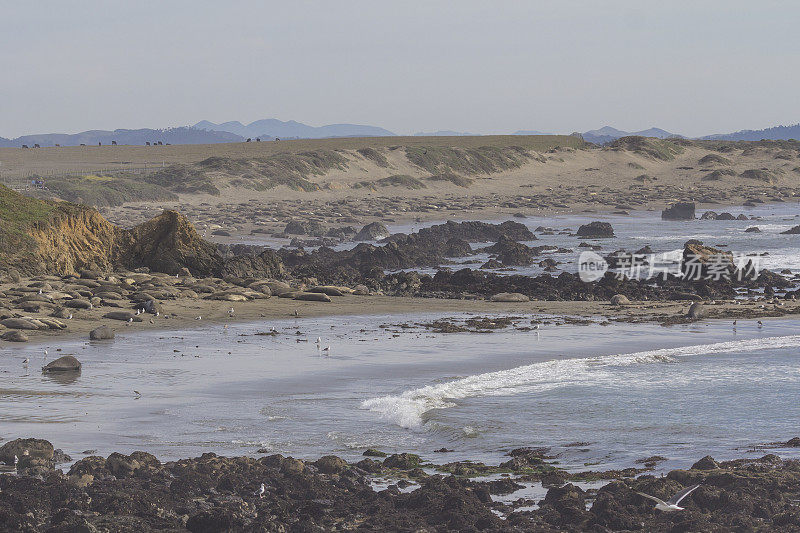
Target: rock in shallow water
(66, 363)
(101, 333)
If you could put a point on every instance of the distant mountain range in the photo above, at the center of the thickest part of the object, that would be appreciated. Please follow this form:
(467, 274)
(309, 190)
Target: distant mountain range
(272, 127)
(182, 135)
(443, 133)
(774, 133)
(608, 134)
(205, 132)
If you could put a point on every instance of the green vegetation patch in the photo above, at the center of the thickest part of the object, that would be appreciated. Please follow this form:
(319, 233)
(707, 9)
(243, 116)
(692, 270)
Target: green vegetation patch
(461, 181)
(258, 173)
(18, 215)
(375, 156)
(104, 191)
(714, 159)
(661, 149)
(469, 161)
(759, 175)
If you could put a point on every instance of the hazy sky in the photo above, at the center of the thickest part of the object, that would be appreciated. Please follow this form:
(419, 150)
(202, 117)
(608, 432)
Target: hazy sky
(692, 67)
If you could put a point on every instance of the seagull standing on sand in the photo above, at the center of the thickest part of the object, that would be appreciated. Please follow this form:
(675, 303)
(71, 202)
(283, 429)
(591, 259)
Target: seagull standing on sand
(25, 362)
(327, 349)
(319, 340)
(672, 503)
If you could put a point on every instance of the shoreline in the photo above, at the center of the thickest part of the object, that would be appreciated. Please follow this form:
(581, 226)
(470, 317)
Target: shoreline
(183, 313)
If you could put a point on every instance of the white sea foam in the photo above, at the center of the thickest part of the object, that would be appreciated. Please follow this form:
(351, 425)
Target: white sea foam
(408, 409)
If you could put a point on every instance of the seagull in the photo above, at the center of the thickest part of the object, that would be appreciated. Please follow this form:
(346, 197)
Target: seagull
(198, 317)
(672, 503)
(536, 326)
(319, 340)
(25, 362)
(327, 348)
(137, 393)
(138, 312)
(230, 311)
(130, 320)
(45, 353)
(69, 317)
(261, 490)
(760, 325)
(40, 291)
(296, 313)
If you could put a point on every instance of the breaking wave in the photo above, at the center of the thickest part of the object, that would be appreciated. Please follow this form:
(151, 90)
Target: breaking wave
(408, 409)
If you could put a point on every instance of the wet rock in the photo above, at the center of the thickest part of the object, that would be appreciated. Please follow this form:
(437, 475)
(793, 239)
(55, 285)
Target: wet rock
(372, 232)
(402, 461)
(101, 333)
(330, 464)
(510, 252)
(596, 230)
(753, 229)
(66, 363)
(706, 463)
(793, 231)
(709, 215)
(372, 452)
(679, 211)
(38, 448)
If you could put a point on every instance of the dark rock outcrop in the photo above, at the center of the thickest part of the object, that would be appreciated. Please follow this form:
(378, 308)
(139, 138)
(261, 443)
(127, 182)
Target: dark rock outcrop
(596, 229)
(679, 211)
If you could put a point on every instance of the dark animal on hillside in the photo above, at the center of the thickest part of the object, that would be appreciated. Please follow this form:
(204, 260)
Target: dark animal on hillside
(248, 140)
(114, 143)
(147, 143)
(24, 145)
(36, 146)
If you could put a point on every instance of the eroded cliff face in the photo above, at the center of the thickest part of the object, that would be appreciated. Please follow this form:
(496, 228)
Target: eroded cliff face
(72, 241)
(67, 238)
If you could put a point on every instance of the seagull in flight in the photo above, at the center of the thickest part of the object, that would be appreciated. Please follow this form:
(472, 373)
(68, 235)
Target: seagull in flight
(672, 503)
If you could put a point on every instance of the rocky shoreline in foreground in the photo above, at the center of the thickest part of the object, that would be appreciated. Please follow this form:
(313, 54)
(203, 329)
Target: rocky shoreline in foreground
(137, 492)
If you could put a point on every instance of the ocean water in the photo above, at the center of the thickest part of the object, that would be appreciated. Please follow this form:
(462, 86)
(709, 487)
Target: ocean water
(599, 396)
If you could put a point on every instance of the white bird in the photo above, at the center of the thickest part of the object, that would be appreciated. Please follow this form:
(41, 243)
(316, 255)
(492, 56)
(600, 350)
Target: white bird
(327, 348)
(319, 340)
(672, 503)
(40, 291)
(198, 317)
(536, 326)
(760, 325)
(130, 320)
(157, 313)
(138, 312)
(25, 362)
(45, 352)
(230, 311)
(261, 490)
(69, 317)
